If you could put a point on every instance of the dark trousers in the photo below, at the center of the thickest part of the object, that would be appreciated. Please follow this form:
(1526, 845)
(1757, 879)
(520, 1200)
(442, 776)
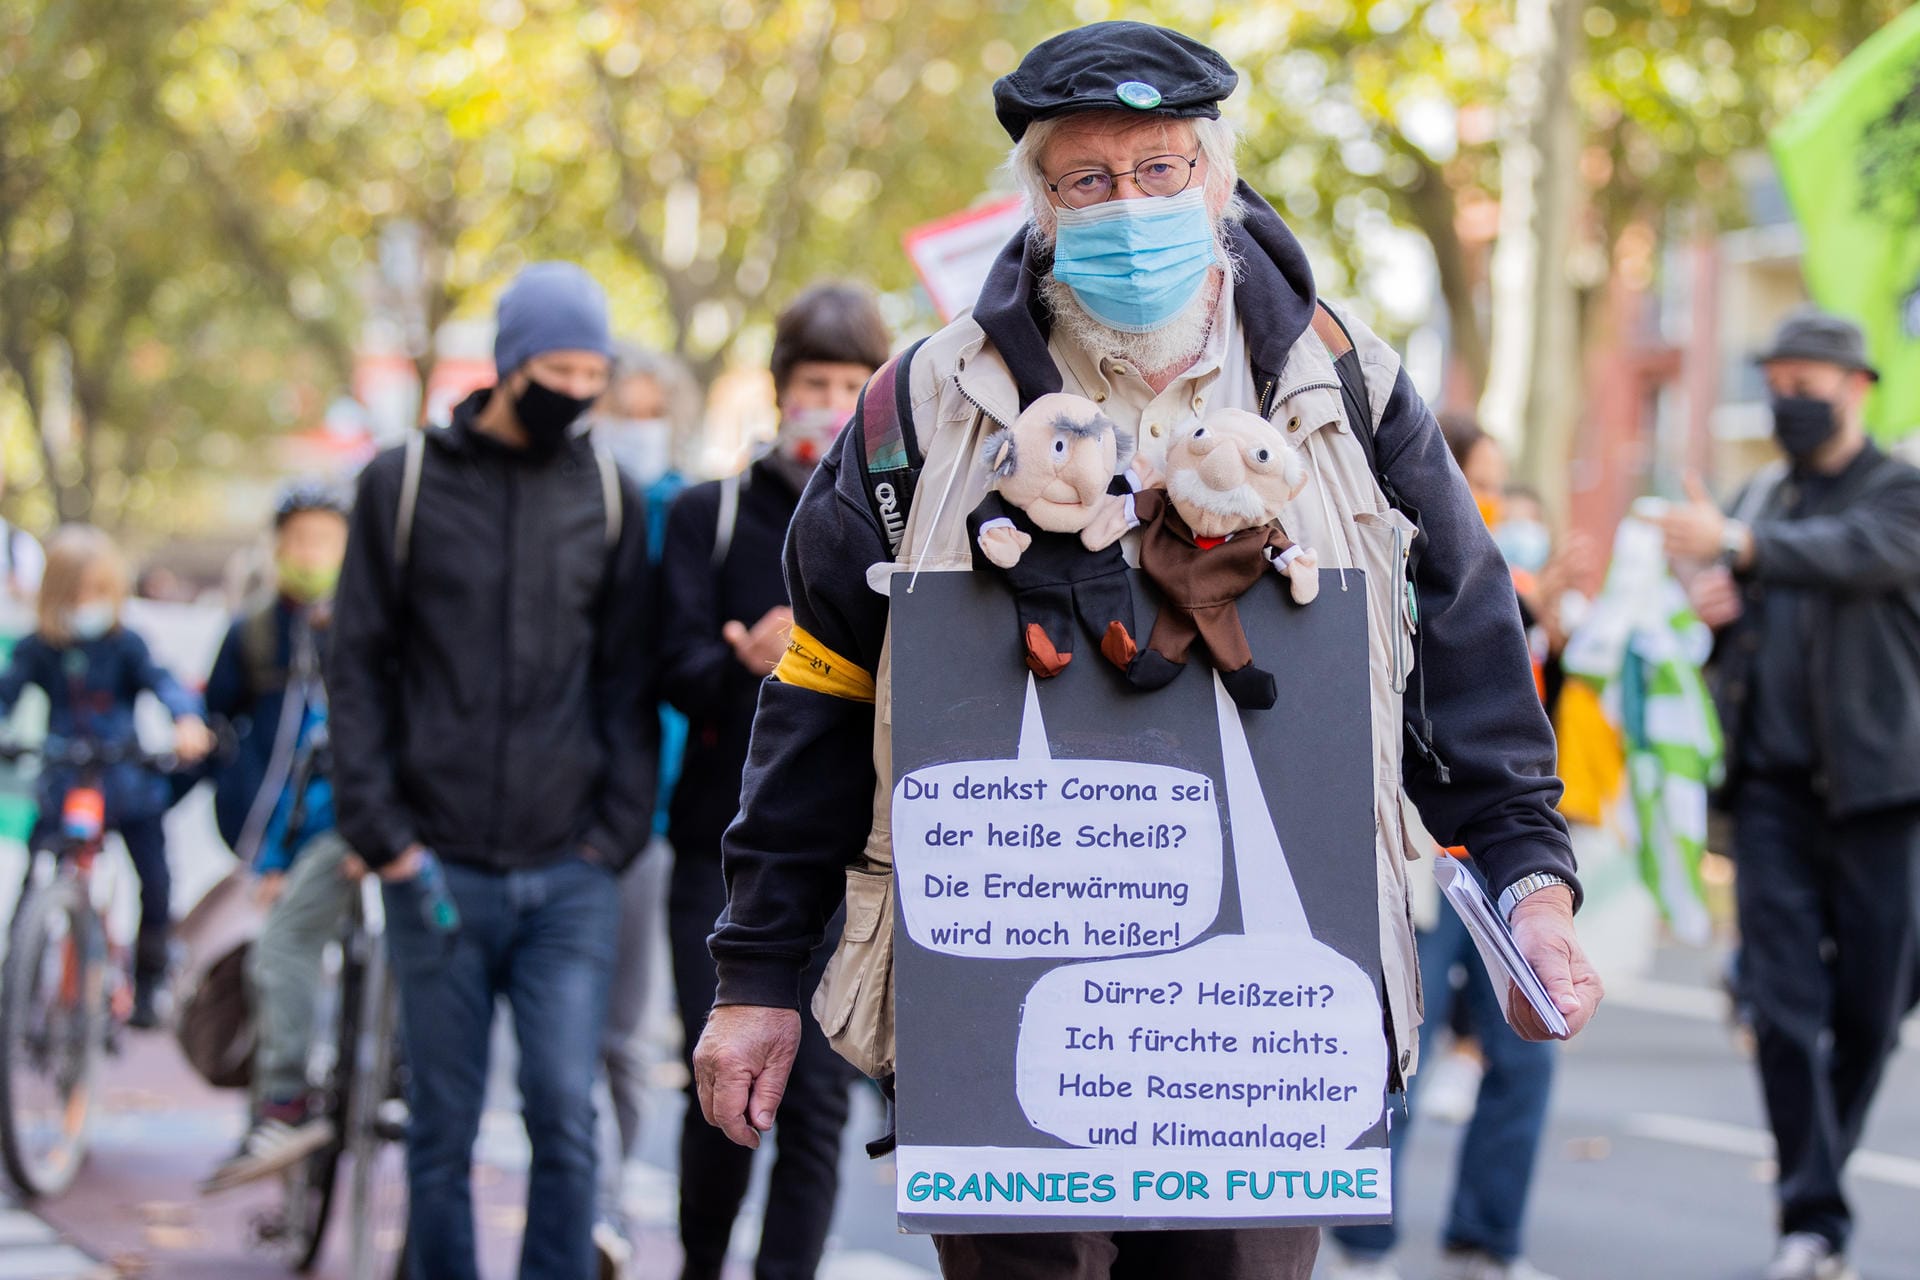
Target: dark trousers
(1494, 1176)
(1827, 956)
(714, 1171)
(543, 938)
(1282, 1253)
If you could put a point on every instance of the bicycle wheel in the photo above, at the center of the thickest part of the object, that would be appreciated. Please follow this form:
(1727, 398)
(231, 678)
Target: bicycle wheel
(299, 1228)
(52, 1015)
(376, 1128)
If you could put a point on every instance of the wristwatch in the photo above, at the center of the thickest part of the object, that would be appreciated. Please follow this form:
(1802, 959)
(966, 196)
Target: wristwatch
(1733, 541)
(1524, 887)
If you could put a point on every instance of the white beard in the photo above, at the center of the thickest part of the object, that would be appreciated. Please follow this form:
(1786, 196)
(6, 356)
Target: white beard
(1172, 348)
(1243, 505)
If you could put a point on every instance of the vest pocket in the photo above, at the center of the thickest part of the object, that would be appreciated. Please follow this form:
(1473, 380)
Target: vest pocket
(854, 1001)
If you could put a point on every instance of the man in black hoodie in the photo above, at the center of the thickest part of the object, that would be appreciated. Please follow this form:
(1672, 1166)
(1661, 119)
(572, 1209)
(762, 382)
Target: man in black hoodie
(725, 624)
(1151, 281)
(495, 753)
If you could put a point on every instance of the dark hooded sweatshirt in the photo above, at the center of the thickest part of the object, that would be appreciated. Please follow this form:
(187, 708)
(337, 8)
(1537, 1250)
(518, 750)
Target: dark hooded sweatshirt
(492, 700)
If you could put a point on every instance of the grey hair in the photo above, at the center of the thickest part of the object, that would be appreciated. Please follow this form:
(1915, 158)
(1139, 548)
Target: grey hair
(997, 439)
(678, 389)
(1218, 141)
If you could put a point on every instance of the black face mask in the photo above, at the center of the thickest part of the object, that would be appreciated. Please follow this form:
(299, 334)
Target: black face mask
(547, 415)
(1802, 424)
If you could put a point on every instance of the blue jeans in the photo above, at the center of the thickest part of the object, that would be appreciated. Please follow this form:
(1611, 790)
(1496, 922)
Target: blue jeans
(1495, 1172)
(543, 938)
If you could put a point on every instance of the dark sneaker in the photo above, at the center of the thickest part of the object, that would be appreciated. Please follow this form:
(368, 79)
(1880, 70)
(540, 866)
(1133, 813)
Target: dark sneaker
(1806, 1256)
(280, 1138)
(149, 1004)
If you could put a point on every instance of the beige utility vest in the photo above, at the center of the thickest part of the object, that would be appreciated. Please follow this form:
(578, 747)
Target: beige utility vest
(960, 391)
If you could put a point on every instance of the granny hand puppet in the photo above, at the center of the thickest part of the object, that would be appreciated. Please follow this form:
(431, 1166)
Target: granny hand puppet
(1051, 471)
(1209, 536)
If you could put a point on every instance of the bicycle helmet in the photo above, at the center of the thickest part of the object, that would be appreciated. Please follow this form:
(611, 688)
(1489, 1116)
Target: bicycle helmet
(307, 495)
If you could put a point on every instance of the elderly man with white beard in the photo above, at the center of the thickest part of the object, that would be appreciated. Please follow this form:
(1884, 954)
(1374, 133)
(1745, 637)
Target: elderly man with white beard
(1150, 280)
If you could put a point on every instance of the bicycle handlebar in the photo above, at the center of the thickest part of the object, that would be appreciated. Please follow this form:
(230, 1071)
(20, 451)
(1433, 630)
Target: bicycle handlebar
(81, 753)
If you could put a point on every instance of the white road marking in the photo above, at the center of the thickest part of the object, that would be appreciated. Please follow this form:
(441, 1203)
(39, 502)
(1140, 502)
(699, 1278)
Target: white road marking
(1702, 1004)
(1756, 1144)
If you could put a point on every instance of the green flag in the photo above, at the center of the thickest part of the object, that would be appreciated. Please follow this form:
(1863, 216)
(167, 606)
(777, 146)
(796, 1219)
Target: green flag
(1850, 159)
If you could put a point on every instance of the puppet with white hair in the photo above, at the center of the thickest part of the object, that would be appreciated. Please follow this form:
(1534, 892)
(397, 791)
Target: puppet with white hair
(1208, 537)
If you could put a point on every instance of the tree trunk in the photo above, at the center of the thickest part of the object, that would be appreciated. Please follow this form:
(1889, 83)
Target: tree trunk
(1430, 203)
(1532, 400)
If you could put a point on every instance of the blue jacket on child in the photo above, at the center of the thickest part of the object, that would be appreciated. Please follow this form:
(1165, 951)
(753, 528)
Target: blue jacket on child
(91, 686)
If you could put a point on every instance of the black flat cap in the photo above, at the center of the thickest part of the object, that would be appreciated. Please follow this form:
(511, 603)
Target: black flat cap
(1113, 66)
(1813, 334)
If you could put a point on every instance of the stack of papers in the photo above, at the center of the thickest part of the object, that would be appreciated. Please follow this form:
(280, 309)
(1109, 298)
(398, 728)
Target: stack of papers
(1494, 941)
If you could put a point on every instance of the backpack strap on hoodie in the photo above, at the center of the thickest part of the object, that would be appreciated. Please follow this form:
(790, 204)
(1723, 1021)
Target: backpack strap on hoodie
(891, 456)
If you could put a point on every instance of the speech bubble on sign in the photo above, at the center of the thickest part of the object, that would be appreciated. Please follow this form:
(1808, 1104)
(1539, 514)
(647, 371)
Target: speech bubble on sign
(1270, 1040)
(1041, 857)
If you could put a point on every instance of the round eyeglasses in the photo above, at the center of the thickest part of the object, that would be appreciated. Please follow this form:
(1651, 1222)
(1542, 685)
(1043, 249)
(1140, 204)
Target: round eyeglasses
(1155, 176)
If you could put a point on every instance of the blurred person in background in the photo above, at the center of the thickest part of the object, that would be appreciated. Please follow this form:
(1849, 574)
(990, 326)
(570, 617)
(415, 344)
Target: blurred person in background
(273, 803)
(1496, 1082)
(93, 670)
(1812, 585)
(725, 622)
(647, 414)
(495, 756)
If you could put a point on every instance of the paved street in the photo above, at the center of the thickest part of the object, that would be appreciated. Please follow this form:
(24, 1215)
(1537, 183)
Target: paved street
(1654, 1167)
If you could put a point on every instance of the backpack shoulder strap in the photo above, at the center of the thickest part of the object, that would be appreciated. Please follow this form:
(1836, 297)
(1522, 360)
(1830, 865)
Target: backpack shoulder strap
(610, 493)
(891, 455)
(729, 515)
(412, 466)
(1333, 334)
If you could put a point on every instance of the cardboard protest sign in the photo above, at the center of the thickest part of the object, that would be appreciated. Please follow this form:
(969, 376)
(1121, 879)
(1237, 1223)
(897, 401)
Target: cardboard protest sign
(1137, 971)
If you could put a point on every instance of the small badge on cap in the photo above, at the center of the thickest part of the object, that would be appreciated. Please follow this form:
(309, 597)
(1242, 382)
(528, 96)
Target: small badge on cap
(1138, 95)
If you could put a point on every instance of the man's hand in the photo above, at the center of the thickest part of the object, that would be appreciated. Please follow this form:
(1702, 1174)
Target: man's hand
(405, 867)
(759, 649)
(1696, 529)
(352, 867)
(740, 1067)
(1004, 545)
(1543, 929)
(1715, 597)
(267, 888)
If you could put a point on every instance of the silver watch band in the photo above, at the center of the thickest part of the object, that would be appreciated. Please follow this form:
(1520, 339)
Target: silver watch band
(1525, 887)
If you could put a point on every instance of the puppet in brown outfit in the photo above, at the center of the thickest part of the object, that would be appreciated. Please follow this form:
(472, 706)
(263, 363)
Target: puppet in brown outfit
(1051, 473)
(1208, 537)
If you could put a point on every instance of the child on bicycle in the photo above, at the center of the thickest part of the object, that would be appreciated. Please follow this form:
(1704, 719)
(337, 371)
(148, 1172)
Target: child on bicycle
(274, 804)
(92, 670)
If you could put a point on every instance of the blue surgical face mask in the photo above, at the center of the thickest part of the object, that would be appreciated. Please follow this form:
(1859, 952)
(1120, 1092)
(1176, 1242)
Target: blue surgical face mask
(91, 621)
(1527, 544)
(1135, 264)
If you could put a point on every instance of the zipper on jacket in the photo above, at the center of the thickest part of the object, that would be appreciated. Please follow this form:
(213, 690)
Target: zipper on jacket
(508, 527)
(1291, 392)
(1266, 397)
(984, 411)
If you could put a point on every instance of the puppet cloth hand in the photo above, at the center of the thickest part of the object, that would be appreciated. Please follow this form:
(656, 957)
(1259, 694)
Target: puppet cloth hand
(1112, 516)
(1304, 574)
(1004, 545)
